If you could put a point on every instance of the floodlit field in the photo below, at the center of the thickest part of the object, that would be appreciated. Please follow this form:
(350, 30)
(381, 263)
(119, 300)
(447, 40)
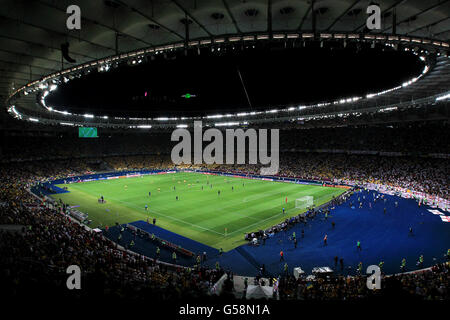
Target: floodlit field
(201, 214)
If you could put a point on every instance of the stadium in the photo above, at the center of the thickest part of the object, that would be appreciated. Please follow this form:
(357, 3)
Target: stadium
(225, 149)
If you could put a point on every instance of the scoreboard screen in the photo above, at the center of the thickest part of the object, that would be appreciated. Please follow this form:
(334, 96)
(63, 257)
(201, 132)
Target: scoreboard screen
(87, 132)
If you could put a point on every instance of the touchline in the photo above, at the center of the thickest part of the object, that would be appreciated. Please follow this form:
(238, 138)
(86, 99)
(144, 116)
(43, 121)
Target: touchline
(213, 153)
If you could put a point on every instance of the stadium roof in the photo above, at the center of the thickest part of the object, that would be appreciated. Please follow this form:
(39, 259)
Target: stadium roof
(32, 32)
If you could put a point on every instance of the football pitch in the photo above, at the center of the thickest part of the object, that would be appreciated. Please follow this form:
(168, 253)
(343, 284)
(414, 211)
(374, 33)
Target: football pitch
(200, 213)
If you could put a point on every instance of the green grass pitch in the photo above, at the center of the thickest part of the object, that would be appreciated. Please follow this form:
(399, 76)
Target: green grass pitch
(219, 221)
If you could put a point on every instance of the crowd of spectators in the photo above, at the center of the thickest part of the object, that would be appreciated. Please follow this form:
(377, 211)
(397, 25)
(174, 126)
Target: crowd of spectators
(429, 284)
(260, 236)
(48, 241)
(35, 257)
(415, 139)
(428, 175)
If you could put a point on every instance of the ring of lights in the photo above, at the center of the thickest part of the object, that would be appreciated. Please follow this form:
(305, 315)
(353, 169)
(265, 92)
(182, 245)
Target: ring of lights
(43, 86)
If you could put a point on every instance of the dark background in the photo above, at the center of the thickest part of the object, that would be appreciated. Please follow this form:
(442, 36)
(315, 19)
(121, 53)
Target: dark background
(273, 76)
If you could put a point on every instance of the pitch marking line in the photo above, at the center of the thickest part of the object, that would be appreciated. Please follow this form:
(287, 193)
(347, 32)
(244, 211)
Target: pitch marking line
(259, 221)
(173, 218)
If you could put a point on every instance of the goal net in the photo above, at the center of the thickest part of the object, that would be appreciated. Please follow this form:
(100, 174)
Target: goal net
(304, 202)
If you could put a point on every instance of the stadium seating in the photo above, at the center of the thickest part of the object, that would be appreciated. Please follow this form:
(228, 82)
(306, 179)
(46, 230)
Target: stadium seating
(121, 272)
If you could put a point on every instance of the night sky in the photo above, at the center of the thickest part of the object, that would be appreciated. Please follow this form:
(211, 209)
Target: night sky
(273, 77)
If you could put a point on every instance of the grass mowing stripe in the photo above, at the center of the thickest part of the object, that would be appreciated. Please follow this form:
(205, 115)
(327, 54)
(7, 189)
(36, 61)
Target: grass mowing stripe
(199, 214)
(169, 217)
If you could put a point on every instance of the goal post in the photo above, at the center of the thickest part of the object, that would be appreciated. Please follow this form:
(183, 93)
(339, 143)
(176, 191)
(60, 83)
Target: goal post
(304, 202)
